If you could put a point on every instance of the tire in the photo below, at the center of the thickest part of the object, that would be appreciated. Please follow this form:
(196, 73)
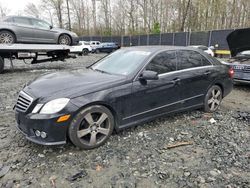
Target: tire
(1, 65)
(64, 39)
(213, 99)
(85, 52)
(86, 132)
(6, 37)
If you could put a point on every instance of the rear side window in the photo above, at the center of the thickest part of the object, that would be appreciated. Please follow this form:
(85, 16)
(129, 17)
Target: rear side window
(8, 19)
(163, 62)
(203, 48)
(22, 21)
(205, 62)
(190, 59)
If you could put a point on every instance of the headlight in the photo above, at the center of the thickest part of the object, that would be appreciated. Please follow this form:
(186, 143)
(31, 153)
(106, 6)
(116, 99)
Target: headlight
(73, 34)
(54, 106)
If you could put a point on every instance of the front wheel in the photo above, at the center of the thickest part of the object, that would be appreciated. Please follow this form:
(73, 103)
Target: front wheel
(64, 39)
(213, 99)
(91, 127)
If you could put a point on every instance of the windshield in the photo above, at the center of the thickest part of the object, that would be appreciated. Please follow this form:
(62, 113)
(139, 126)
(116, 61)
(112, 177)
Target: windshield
(122, 62)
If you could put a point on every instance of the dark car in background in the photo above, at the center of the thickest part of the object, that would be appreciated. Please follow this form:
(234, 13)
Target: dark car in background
(130, 86)
(239, 45)
(107, 47)
(20, 29)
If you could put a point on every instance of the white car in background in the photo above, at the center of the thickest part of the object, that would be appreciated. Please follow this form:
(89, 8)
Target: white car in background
(95, 44)
(83, 48)
(204, 49)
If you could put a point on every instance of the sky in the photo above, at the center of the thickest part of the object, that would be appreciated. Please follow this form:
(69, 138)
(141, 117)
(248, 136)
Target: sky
(14, 6)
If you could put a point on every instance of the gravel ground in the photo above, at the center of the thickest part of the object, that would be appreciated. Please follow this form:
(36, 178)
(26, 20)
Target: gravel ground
(217, 154)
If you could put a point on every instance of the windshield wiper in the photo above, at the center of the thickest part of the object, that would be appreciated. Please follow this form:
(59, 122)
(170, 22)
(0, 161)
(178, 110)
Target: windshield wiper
(102, 71)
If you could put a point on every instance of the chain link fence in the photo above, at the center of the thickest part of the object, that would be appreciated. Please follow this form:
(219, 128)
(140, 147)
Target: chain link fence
(207, 38)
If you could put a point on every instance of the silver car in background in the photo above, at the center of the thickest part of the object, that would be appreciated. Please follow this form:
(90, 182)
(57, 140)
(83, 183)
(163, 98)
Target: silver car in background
(20, 29)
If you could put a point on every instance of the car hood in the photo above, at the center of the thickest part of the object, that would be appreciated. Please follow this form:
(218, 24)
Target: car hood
(239, 41)
(71, 84)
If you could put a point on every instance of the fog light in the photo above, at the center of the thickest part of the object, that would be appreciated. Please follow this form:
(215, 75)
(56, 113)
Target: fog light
(37, 133)
(43, 134)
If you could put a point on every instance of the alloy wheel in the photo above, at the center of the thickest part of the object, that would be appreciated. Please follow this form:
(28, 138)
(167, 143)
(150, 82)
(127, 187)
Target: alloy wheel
(6, 38)
(94, 128)
(65, 40)
(214, 99)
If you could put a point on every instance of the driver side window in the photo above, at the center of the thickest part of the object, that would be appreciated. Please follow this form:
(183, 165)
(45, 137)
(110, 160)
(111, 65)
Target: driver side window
(40, 24)
(163, 62)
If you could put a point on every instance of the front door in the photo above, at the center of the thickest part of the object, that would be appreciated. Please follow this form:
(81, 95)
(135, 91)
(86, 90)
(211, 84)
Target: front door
(43, 32)
(155, 97)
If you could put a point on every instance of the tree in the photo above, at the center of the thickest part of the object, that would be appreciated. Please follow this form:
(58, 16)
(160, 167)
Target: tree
(68, 13)
(32, 10)
(57, 6)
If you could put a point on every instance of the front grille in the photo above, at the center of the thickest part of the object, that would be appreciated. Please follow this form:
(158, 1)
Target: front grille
(23, 102)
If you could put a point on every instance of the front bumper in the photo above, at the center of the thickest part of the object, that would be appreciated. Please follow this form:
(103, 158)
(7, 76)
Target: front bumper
(75, 40)
(242, 77)
(236, 80)
(56, 132)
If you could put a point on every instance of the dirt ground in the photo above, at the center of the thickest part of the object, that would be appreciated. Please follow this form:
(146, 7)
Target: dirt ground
(218, 154)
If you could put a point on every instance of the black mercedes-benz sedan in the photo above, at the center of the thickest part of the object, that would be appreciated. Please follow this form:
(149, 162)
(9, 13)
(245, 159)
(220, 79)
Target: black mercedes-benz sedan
(128, 87)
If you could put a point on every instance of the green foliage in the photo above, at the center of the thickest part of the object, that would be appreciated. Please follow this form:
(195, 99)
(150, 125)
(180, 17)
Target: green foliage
(156, 28)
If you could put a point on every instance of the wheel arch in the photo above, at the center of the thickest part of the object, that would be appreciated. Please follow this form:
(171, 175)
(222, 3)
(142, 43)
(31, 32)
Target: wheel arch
(65, 34)
(9, 30)
(221, 86)
(101, 103)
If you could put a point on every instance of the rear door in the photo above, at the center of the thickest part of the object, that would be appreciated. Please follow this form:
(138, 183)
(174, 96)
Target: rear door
(23, 29)
(196, 75)
(154, 97)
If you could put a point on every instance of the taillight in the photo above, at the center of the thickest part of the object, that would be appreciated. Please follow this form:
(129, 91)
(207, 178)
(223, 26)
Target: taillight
(231, 72)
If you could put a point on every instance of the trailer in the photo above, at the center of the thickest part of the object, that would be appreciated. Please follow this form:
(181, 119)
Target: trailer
(38, 53)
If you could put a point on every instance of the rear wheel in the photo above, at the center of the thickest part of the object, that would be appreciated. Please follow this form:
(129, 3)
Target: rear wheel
(64, 39)
(7, 37)
(1, 64)
(213, 99)
(91, 127)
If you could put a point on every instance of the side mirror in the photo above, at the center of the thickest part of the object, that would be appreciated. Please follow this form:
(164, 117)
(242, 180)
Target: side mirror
(149, 75)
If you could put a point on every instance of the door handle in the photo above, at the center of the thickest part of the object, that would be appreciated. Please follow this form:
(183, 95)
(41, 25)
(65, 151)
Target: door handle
(207, 72)
(176, 81)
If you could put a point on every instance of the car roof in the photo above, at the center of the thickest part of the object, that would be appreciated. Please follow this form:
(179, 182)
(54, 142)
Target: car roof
(161, 47)
(27, 17)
